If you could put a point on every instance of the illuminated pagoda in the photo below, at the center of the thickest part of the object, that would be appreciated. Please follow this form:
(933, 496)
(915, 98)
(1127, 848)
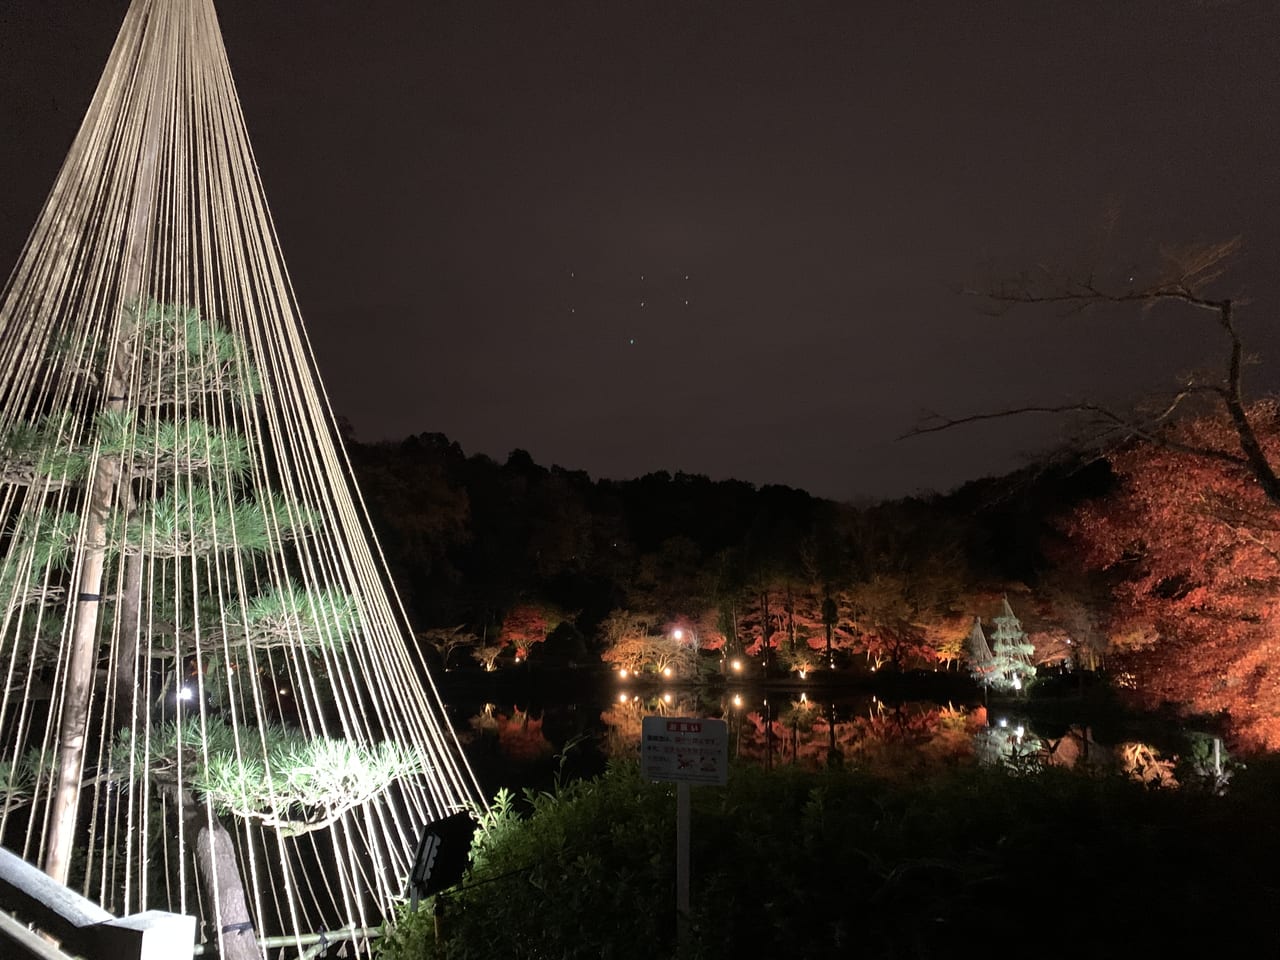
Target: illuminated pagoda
(210, 702)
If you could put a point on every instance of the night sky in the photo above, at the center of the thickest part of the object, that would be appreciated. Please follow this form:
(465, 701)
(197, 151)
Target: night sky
(723, 238)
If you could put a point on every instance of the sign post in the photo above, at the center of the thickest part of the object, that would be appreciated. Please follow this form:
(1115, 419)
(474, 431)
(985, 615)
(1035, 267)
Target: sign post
(684, 751)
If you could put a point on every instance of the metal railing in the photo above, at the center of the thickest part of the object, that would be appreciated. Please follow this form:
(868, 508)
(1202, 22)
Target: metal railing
(36, 912)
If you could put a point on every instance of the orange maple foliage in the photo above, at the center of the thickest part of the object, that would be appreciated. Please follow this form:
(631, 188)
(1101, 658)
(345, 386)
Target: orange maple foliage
(1194, 548)
(527, 624)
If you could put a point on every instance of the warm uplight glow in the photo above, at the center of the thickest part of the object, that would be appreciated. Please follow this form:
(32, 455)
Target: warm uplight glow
(623, 673)
(736, 664)
(737, 700)
(804, 698)
(678, 633)
(803, 674)
(666, 698)
(666, 671)
(622, 698)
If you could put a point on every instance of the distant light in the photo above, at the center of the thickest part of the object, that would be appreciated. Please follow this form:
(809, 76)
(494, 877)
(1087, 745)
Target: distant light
(1003, 721)
(804, 698)
(736, 664)
(186, 693)
(666, 698)
(678, 633)
(737, 700)
(666, 671)
(1019, 731)
(623, 673)
(803, 674)
(623, 698)
(517, 659)
(1017, 683)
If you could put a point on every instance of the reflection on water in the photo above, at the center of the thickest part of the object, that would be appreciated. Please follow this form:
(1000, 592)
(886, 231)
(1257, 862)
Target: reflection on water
(514, 746)
(797, 730)
(519, 736)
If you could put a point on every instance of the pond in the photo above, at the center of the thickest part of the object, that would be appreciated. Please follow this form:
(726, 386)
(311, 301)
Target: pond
(517, 737)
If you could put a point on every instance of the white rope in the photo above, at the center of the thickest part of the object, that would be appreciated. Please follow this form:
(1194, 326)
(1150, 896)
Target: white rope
(195, 627)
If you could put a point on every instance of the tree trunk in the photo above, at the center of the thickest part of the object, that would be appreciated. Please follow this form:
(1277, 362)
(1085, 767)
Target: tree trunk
(791, 618)
(220, 875)
(829, 617)
(130, 682)
(78, 686)
(764, 629)
(1233, 398)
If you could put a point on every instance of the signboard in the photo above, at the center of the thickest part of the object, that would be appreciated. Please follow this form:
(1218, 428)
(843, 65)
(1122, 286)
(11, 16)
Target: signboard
(684, 750)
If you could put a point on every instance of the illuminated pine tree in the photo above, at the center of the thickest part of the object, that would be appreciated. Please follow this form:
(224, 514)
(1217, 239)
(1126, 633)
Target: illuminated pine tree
(1011, 668)
(211, 702)
(188, 542)
(978, 654)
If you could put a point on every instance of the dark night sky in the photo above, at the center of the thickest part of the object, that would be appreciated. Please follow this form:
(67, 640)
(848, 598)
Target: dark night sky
(723, 238)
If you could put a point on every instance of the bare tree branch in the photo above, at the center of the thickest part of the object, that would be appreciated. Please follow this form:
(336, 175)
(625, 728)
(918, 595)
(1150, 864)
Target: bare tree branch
(1189, 272)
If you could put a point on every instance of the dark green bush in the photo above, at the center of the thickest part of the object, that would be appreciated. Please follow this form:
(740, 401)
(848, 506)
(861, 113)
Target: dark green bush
(790, 863)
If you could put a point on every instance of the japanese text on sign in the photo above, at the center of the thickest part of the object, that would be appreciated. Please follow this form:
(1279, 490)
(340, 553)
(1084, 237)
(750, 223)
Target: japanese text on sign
(681, 749)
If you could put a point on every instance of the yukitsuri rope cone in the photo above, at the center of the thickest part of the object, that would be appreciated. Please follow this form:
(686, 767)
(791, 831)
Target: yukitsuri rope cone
(209, 703)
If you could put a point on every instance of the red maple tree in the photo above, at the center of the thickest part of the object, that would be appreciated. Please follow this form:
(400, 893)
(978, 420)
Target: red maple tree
(527, 624)
(1192, 541)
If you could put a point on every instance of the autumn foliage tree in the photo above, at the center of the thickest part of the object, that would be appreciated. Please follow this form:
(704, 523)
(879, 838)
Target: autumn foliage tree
(1192, 541)
(527, 624)
(1190, 534)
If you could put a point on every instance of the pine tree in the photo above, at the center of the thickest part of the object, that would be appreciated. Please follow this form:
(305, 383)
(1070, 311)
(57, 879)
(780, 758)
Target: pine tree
(978, 652)
(1005, 665)
(1012, 669)
(199, 562)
